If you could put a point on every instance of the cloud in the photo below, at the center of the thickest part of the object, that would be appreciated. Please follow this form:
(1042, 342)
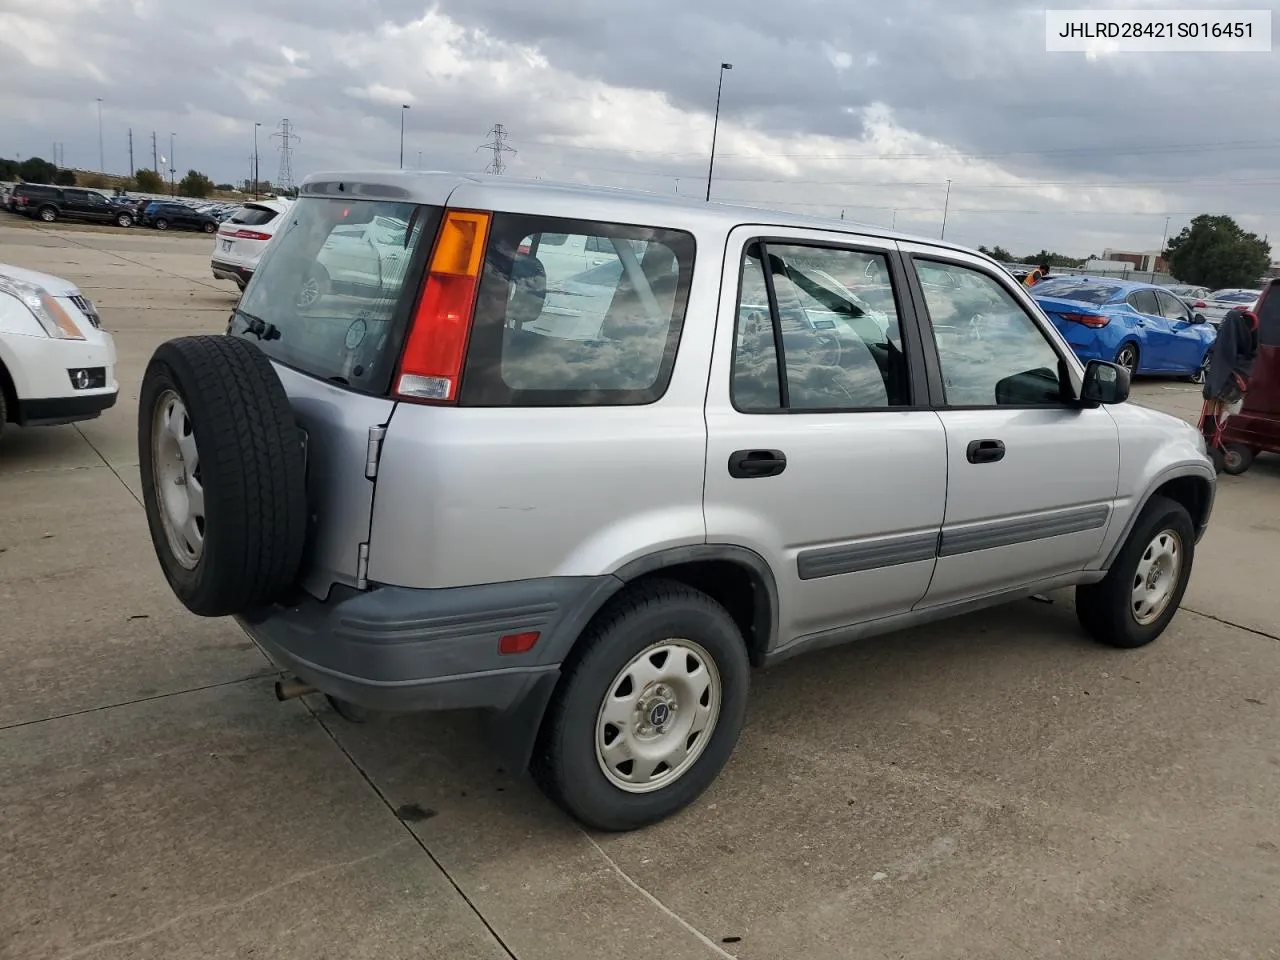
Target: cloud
(830, 106)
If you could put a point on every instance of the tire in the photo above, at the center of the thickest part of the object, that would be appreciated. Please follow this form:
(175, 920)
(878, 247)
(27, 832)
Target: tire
(210, 227)
(566, 761)
(4, 407)
(124, 220)
(162, 224)
(1107, 610)
(1202, 371)
(243, 550)
(47, 214)
(315, 285)
(1128, 357)
(1237, 458)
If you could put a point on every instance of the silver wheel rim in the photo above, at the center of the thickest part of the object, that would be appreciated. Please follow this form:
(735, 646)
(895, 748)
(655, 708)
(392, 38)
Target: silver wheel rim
(309, 293)
(658, 716)
(1156, 579)
(1128, 359)
(47, 216)
(175, 467)
(123, 221)
(1203, 371)
(1232, 459)
(161, 225)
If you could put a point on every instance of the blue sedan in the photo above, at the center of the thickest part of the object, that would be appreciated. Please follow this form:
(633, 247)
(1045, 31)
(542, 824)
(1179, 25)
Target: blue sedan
(1138, 325)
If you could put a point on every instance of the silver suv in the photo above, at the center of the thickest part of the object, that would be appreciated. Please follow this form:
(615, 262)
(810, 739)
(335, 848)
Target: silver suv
(590, 498)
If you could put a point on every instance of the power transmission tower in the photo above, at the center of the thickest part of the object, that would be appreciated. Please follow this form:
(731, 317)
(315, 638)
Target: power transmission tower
(287, 138)
(155, 153)
(497, 143)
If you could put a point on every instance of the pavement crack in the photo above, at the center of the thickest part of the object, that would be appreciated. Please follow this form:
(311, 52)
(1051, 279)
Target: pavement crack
(1231, 623)
(391, 808)
(702, 938)
(107, 463)
(146, 699)
(216, 908)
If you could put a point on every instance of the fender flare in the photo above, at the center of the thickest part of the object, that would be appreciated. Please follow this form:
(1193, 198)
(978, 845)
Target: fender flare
(1173, 472)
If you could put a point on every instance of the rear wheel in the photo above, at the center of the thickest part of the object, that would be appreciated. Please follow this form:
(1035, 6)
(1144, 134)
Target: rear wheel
(1237, 458)
(1142, 590)
(48, 214)
(1127, 357)
(222, 474)
(162, 224)
(210, 227)
(648, 709)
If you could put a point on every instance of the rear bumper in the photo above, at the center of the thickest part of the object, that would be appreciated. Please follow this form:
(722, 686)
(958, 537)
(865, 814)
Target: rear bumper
(400, 650)
(222, 270)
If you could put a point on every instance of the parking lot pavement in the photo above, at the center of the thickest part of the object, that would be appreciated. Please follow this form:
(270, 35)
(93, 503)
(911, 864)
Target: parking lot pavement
(993, 787)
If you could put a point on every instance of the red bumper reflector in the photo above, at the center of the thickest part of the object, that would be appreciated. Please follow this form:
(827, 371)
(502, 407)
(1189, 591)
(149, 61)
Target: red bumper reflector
(518, 642)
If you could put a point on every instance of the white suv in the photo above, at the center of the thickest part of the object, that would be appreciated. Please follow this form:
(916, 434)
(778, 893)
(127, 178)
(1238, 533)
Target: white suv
(591, 507)
(57, 364)
(243, 236)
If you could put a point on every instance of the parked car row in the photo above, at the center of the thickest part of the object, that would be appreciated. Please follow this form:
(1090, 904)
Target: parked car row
(50, 204)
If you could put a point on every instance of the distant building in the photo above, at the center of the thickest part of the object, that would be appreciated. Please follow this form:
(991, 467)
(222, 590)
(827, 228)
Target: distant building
(1146, 261)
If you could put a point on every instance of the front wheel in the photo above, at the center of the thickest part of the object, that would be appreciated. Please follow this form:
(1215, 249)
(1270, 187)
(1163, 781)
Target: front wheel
(1203, 370)
(648, 709)
(1140, 595)
(210, 227)
(162, 224)
(124, 220)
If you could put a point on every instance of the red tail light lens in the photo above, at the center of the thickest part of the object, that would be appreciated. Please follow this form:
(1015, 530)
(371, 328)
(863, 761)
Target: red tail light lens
(251, 235)
(1087, 319)
(1200, 304)
(432, 362)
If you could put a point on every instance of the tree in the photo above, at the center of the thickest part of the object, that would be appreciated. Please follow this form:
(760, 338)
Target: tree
(1215, 252)
(148, 181)
(8, 169)
(37, 170)
(65, 178)
(95, 181)
(195, 184)
(224, 187)
(997, 253)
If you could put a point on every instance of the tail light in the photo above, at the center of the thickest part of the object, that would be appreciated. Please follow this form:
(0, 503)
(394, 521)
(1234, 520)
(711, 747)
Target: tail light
(1199, 305)
(431, 365)
(1087, 319)
(251, 235)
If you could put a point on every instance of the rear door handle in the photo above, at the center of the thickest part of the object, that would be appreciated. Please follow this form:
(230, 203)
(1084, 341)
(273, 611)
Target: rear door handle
(756, 463)
(985, 451)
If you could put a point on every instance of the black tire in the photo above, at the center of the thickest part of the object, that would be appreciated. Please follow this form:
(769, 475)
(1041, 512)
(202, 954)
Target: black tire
(124, 220)
(47, 214)
(4, 411)
(1105, 608)
(210, 227)
(564, 762)
(251, 469)
(161, 224)
(1237, 458)
(1129, 357)
(1203, 370)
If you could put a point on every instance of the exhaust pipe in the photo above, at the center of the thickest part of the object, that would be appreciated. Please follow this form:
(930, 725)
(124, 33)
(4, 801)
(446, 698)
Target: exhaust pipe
(292, 689)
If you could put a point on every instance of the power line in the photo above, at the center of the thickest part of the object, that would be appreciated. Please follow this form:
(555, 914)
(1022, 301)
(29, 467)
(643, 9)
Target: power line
(497, 142)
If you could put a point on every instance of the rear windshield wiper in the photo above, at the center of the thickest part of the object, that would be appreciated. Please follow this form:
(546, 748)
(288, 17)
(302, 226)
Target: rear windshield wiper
(260, 328)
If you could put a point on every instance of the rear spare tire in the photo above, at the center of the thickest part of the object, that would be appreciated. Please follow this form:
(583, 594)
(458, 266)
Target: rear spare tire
(223, 477)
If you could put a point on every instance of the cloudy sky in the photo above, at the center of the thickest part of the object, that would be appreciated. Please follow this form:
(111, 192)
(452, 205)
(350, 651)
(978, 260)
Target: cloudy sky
(853, 105)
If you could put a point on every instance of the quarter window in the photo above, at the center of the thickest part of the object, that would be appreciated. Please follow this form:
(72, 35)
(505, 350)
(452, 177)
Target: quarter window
(990, 350)
(599, 335)
(838, 351)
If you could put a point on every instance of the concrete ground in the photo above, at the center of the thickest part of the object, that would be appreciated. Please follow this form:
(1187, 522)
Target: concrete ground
(993, 787)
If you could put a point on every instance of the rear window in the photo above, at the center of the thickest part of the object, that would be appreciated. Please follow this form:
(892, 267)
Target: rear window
(332, 294)
(251, 215)
(1236, 296)
(1083, 291)
(605, 333)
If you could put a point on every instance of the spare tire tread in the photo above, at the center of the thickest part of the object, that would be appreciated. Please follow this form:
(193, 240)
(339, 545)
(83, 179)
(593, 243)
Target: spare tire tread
(252, 469)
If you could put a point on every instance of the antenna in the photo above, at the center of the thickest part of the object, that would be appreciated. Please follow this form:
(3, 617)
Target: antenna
(497, 142)
(287, 138)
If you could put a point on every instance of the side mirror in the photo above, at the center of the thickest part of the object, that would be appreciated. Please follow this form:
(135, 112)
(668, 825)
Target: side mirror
(1198, 318)
(1104, 383)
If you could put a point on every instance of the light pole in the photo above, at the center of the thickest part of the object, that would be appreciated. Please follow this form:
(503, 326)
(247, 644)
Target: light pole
(255, 160)
(715, 128)
(403, 108)
(173, 169)
(102, 162)
(1163, 240)
(945, 206)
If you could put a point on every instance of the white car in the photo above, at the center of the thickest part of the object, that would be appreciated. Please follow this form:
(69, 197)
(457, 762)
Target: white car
(243, 236)
(1219, 303)
(57, 364)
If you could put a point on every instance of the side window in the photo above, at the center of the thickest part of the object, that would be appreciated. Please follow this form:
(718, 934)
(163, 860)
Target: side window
(990, 350)
(96, 200)
(1171, 308)
(606, 335)
(1144, 301)
(838, 351)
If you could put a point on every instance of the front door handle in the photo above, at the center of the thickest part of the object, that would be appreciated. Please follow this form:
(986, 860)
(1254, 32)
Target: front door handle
(756, 463)
(985, 451)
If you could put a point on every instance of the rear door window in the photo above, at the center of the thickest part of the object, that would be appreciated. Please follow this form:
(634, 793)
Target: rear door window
(333, 292)
(604, 335)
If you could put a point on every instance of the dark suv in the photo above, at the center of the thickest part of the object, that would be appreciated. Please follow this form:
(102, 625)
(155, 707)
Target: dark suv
(163, 214)
(67, 203)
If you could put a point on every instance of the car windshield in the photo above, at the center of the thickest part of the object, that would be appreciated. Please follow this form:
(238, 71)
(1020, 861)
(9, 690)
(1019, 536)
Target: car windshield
(328, 291)
(1076, 288)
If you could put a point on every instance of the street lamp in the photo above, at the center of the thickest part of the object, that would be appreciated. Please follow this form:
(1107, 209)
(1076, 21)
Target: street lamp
(716, 126)
(102, 163)
(255, 160)
(403, 108)
(173, 169)
(945, 206)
